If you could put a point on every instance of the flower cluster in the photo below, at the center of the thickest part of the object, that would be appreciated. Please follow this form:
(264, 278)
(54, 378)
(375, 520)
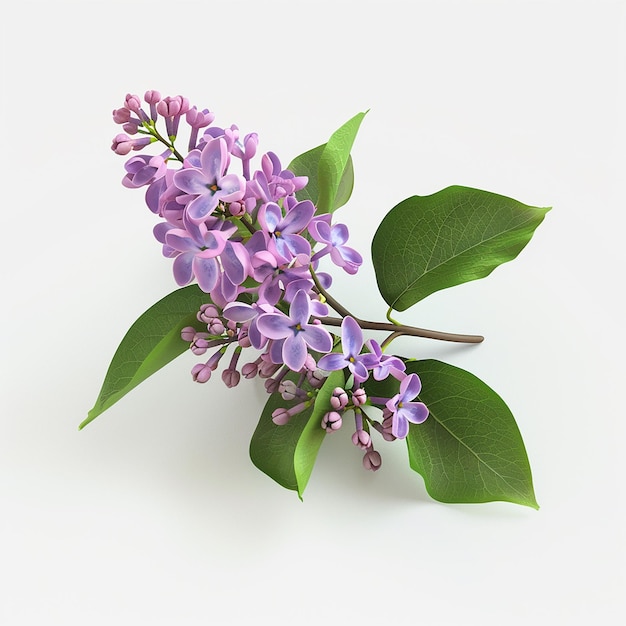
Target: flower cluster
(255, 249)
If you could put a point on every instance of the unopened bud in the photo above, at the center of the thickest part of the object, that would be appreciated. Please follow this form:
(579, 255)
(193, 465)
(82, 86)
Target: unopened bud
(231, 378)
(188, 333)
(331, 421)
(339, 399)
(372, 460)
(201, 372)
(361, 439)
(280, 416)
(249, 370)
(359, 397)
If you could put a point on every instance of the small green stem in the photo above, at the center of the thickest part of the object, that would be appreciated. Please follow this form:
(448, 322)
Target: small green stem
(389, 339)
(247, 222)
(388, 316)
(170, 144)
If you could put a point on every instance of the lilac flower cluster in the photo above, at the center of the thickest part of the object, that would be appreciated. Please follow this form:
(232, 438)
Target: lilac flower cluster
(254, 249)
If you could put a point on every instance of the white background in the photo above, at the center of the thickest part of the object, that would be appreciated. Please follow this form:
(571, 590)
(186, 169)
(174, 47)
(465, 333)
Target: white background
(154, 513)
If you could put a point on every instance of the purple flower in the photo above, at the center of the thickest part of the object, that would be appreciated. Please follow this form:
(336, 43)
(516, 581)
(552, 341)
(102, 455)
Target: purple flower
(196, 255)
(334, 237)
(145, 169)
(295, 331)
(284, 230)
(388, 364)
(209, 184)
(403, 409)
(272, 182)
(352, 344)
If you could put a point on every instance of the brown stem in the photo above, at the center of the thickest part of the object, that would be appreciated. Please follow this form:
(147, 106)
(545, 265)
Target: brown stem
(399, 329)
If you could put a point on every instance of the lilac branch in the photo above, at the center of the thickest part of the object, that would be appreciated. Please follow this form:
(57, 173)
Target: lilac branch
(399, 329)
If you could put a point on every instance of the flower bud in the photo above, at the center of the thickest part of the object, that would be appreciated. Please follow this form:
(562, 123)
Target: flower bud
(359, 397)
(280, 416)
(207, 313)
(199, 345)
(249, 370)
(372, 460)
(188, 333)
(231, 378)
(331, 421)
(288, 389)
(201, 372)
(271, 385)
(339, 399)
(361, 439)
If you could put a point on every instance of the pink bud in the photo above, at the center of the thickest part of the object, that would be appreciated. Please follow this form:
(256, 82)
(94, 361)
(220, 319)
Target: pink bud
(361, 439)
(133, 103)
(359, 397)
(372, 460)
(280, 416)
(152, 97)
(207, 313)
(188, 333)
(339, 399)
(201, 372)
(331, 421)
(231, 378)
(121, 116)
(271, 385)
(249, 370)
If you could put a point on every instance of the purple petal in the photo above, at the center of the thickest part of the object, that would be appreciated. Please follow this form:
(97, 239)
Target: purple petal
(275, 325)
(350, 255)
(399, 426)
(300, 309)
(239, 312)
(207, 273)
(180, 240)
(214, 159)
(191, 181)
(231, 187)
(415, 412)
(351, 337)
(295, 243)
(320, 231)
(202, 206)
(214, 244)
(236, 262)
(298, 218)
(270, 216)
(318, 338)
(359, 370)
(339, 234)
(229, 290)
(256, 338)
(182, 267)
(294, 352)
(276, 351)
(332, 362)
(410, 387)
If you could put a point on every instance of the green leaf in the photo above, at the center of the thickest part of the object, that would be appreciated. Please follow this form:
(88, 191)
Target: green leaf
(287, 453)
(307, 164)
(459, 234)
(470, 448)
(150, 343)
(333, 162)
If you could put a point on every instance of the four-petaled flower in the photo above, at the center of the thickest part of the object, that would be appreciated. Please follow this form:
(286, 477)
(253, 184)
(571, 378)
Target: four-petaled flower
(295, 332)
(352, 344)
(403, 409)
(335, 237)
(209, 184)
